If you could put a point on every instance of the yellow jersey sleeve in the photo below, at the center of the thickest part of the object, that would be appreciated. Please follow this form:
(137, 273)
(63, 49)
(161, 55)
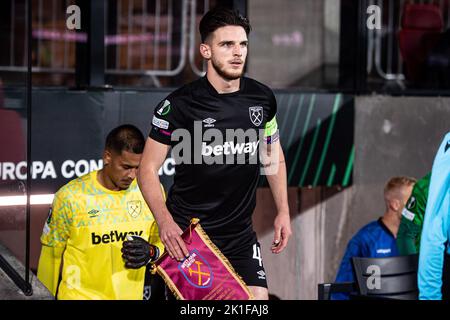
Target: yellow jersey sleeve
(53, 239)
(57, 227)
(49, 267)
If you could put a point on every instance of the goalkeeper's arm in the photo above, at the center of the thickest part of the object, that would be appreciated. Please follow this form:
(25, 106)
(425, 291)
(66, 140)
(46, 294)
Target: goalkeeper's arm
(49, 267)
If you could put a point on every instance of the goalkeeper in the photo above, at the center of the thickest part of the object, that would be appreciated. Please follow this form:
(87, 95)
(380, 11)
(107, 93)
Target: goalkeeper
(90, 218)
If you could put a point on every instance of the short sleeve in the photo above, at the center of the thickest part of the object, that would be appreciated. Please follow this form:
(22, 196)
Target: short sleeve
(273, 106)
(166, 119)
(271, 132)
(57, 227)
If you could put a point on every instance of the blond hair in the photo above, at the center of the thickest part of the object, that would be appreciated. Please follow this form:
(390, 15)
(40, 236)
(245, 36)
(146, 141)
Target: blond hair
(394, 187)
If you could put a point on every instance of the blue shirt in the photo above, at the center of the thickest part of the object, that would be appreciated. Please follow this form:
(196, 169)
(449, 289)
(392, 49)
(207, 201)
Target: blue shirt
(374, 240)
(436, 227)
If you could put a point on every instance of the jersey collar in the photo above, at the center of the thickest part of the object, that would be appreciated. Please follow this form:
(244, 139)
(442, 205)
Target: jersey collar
(106, 190)
(214, 92)
(386, 229)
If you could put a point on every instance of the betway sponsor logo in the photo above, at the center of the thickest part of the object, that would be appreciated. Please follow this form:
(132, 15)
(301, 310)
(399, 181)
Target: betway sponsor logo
(113, 236)
(215, 146)
(230, 148)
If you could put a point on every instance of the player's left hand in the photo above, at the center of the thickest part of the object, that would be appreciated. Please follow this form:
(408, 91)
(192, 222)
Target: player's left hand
(282, 225)
(137, 252)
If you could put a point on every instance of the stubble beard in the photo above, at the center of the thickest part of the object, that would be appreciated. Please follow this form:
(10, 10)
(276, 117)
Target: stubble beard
(220, 69)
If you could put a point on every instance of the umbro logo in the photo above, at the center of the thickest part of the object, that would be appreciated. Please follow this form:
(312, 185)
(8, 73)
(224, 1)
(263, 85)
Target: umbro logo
(93, 213)
(261, 274)
(209, 122)
(447, 146)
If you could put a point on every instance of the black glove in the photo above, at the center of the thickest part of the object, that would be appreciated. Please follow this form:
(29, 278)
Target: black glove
(137, 252)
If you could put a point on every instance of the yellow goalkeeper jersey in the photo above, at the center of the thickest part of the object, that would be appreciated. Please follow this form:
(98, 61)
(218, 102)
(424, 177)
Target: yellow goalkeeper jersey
(86, 227)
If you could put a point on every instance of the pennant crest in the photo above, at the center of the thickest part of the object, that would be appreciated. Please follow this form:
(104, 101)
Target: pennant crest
(196, 270)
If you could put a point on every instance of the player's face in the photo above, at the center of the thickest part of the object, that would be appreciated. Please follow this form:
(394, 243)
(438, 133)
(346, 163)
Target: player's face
(122, 168)
(229, 51)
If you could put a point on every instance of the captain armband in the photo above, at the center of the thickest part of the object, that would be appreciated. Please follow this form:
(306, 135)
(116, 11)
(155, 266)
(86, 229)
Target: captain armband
(271, 132)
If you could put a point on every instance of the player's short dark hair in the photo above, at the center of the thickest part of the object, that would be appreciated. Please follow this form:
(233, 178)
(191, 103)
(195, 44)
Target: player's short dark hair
(221, 17)
(125, 138)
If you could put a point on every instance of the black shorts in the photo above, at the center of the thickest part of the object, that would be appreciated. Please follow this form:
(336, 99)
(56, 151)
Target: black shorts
(247, 262)
(244, 253)
(154, 286)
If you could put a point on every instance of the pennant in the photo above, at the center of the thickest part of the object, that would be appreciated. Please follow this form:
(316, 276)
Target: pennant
(205, 274)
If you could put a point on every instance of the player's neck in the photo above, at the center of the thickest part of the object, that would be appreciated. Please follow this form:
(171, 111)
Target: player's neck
(391, 222)
(105, 181)
(221, 84)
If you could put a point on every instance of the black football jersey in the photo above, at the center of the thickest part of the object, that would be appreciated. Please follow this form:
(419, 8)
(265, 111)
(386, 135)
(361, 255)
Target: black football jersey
(216, 173)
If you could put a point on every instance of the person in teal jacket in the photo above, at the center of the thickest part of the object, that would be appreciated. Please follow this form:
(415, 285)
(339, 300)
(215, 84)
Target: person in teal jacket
(434, 244)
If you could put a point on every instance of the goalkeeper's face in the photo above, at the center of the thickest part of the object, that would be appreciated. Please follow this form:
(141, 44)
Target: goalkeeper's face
(121, 168)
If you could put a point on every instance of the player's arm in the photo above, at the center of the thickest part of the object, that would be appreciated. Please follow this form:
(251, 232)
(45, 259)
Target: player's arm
(49, 267)
(148, 179)
(345, 272)
(278, 186)
(53, 239)
(273, 162)
(138, 252)
(436, 226)
(154, 231)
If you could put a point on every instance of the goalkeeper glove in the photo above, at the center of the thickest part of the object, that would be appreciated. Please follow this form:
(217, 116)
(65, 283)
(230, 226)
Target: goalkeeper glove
(137, 252)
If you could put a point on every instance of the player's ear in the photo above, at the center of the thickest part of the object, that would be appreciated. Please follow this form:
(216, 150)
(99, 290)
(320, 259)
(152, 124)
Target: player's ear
(106, 157)
(395, 205)
(205, 51)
